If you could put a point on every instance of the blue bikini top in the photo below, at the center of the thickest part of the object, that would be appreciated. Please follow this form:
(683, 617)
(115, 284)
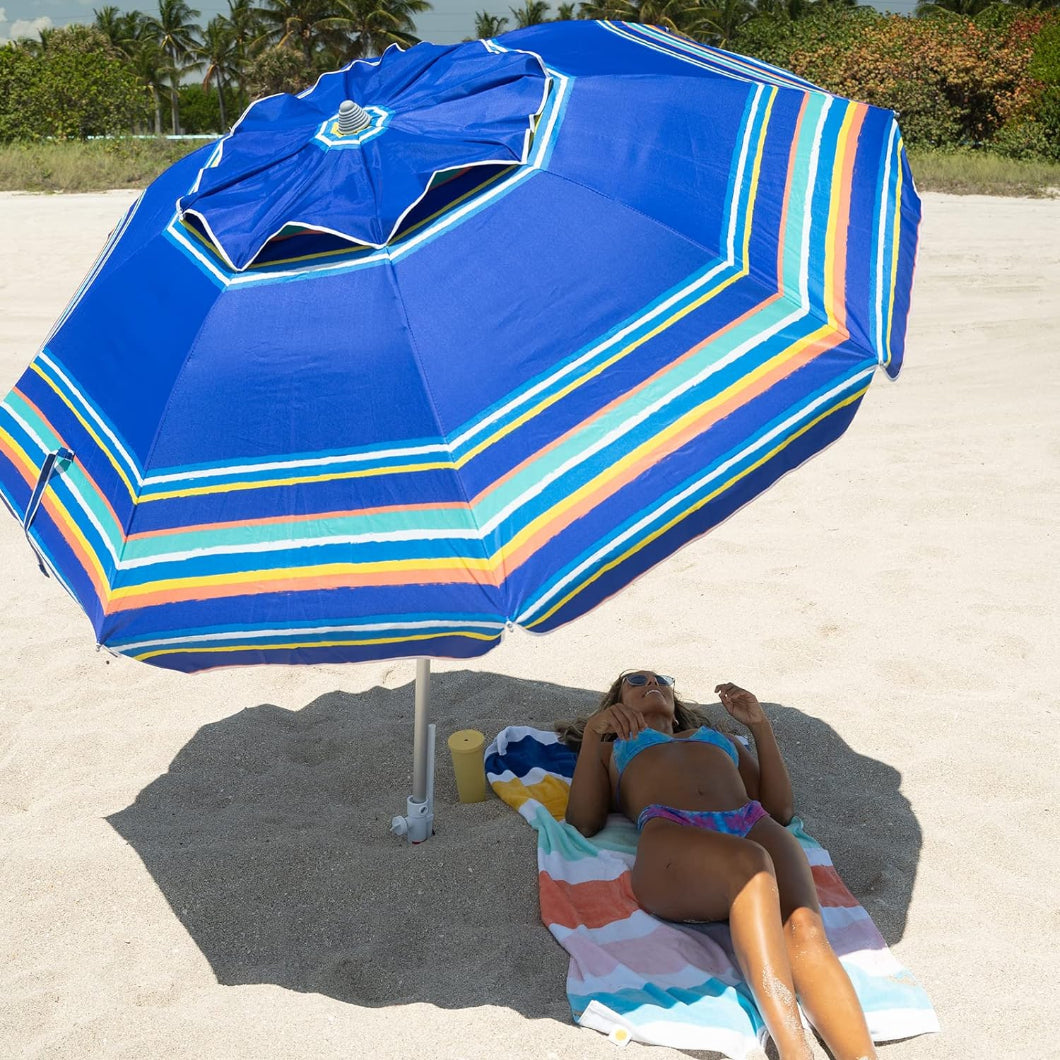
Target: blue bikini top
(626, 750)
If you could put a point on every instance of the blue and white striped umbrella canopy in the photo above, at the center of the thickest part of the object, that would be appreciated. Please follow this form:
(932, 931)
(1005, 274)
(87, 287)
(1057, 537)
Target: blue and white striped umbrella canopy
(536, 313)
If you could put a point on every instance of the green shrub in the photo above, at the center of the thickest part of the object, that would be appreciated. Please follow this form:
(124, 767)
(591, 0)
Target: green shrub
(278, 69)
(1025, 140)
(775, 38)
(951, 79)
(74, 86)
(17, 69)
(1045, 67)
(200, 110)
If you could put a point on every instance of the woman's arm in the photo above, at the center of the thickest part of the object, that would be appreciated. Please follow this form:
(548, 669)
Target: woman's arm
(772, 782)
(589, 801)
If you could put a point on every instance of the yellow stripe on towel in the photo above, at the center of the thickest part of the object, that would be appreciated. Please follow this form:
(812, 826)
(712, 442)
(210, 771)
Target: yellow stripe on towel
(551, 792)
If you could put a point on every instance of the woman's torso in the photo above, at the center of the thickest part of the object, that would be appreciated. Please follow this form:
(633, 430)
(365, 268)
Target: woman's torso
(684, 772)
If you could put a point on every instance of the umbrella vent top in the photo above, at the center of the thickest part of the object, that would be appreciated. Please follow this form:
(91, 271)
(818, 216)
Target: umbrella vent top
(352, 118)
(290, 163)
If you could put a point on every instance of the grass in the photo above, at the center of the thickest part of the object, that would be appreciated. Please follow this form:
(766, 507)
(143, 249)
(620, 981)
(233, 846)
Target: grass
(131, 163)
(966, 172)
(96, 165)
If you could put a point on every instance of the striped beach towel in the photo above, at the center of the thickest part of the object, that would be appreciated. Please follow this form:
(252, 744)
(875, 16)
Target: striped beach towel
(636, 977)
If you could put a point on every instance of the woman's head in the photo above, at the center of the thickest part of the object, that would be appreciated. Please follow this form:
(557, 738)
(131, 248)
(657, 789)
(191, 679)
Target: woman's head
(630, 689)
(647, 689)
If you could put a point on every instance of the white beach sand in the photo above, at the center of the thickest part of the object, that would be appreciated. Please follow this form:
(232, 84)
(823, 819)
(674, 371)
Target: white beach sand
(202, 866)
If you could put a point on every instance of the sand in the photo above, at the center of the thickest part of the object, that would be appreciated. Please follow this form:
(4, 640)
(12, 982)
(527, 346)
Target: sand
(201, 866)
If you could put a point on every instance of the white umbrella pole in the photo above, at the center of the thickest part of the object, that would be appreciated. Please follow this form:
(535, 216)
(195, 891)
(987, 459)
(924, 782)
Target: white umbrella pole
(418, 823)
(422, 735)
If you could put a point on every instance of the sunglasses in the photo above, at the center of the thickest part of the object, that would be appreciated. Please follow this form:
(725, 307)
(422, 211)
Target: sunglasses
(642, 679)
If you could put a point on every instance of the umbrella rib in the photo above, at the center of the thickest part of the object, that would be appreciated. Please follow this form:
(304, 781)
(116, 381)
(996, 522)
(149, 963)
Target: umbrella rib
(500, 574)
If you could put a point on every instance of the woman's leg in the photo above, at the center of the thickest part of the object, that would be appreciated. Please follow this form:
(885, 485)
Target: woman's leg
(823, 986)
(685, 873)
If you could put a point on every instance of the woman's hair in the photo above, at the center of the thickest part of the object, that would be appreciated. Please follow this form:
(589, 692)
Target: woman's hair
(571, 732)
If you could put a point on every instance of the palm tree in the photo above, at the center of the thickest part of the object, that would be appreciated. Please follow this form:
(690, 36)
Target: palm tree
(38, 46)
(688, 18)
(722, 21)
(783, 9)
(112, 23)
(176, 35)
(217, 53)
(617, 10)
(487, 26)
(965, 8)
(126, 31)
(306, 26)
(150, 66)
(374, 25)
(246, 28)
(564, 13)
(532, 13)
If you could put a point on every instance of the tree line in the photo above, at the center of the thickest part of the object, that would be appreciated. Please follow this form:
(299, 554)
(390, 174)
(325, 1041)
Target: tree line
(969, 72)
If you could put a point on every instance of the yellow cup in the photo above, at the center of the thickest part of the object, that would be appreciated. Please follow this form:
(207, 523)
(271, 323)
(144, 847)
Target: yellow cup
(465, 747)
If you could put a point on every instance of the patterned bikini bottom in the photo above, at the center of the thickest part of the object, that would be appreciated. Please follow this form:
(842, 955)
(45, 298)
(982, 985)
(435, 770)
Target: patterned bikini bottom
(736, 822)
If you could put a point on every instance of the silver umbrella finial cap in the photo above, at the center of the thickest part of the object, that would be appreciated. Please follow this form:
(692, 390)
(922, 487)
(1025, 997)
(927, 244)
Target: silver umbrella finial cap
(352, 118)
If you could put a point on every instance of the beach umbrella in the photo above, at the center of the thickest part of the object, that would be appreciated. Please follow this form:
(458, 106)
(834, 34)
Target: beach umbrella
(459, 338)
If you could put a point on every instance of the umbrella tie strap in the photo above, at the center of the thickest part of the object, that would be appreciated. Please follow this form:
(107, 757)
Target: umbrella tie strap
(47, 468)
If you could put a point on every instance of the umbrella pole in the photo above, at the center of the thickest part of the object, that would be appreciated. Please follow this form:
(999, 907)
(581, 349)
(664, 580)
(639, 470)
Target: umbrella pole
(418, 824)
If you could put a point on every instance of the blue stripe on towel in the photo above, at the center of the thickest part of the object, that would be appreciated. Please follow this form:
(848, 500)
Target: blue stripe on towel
(527, 753)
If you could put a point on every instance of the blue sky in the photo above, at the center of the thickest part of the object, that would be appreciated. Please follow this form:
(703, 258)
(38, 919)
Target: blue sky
(450, 21)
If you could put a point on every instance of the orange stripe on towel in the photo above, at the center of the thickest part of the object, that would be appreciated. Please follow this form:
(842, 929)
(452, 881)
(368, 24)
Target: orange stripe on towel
(830, 888)
(592, 904)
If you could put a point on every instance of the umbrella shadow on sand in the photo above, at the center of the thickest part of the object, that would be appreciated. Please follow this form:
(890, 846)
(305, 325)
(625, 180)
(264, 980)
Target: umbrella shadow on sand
(269, 837)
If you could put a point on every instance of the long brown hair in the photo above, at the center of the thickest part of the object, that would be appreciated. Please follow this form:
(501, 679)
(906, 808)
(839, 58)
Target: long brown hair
(571, 732)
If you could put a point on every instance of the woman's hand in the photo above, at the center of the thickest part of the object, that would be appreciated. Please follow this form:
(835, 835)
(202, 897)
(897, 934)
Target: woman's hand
(623, 721)
(772, 785)
(741, 704)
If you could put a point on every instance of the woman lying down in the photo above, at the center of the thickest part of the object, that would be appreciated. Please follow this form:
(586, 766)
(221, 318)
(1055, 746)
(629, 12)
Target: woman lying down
(712, 846)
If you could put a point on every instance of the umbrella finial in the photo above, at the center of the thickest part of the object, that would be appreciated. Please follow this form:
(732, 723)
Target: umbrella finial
(352, 118)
